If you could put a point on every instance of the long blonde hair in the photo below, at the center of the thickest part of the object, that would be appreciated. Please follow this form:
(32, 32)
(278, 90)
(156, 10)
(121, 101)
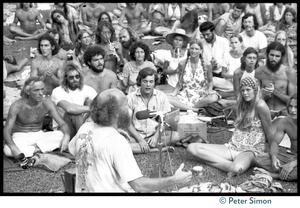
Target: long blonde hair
(246, 110)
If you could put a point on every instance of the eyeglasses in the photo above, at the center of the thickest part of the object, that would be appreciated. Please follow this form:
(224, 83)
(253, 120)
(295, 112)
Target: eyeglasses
(74, 77)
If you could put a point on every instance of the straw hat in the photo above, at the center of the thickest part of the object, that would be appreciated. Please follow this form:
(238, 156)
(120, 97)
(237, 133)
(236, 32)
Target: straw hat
(180, 32)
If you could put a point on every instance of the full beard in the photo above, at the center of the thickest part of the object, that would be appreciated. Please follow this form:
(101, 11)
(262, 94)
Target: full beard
(96, 70)
(74, 86)
(273, 67)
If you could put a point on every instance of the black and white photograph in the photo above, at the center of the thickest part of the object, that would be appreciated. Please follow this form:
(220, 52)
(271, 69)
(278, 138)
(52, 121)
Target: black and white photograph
(152, 98)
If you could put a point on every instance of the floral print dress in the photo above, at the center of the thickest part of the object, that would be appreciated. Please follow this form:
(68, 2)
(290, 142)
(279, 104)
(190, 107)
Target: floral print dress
(194, 85)
(252, 139)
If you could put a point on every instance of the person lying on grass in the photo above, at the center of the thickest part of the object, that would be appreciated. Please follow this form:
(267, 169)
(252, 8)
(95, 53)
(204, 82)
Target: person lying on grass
(248, 139)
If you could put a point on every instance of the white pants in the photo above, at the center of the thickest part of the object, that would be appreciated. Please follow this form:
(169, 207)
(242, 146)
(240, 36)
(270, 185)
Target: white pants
(28, 141)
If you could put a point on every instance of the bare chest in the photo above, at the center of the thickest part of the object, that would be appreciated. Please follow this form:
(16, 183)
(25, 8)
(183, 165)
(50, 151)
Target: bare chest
(32, 115)
(25, 16)
(47, 65)
(99, 83)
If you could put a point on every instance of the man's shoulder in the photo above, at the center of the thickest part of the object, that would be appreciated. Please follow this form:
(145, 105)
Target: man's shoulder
(58, 89)
(17, 104)
(225, 16)
(48, 102)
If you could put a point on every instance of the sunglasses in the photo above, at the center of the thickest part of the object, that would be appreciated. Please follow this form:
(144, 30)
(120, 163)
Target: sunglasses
(74, 77)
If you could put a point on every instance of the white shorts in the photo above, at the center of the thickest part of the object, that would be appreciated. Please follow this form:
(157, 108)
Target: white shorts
(28, 141)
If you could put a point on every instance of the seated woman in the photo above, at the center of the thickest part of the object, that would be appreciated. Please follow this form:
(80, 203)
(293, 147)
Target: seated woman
(249, 137)
(83, 41)
(249, 62)
(168, 60)
(67, 28)
(288, 23)
(194, 89)
(139, 53)
(105, 36)
(224, 85)
(288, 58)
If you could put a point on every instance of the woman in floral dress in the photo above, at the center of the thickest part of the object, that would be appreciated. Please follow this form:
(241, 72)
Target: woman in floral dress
(249, 137)
(194, 89)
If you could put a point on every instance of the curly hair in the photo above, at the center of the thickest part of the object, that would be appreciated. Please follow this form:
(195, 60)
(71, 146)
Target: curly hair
(99, 29)
(141, 45)
(92, 51)
(254, 20)
(71, 67)
(103, 113)
(52, 43)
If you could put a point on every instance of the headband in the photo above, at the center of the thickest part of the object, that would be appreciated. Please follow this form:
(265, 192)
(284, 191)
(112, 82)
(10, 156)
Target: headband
(249, 82)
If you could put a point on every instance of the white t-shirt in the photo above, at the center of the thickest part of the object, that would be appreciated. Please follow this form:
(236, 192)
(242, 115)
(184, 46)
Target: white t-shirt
(257, 41)
(232, 64)
(219, 50)
(104, 160)
(73, 96)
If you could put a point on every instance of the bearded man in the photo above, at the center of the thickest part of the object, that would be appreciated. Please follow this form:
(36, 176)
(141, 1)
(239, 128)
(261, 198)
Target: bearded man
(127, 39)
(73, 97)
(97, 76)
(278, 82)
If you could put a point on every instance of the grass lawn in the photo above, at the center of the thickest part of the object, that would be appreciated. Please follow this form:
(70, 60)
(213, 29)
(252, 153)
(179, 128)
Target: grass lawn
(37, 180)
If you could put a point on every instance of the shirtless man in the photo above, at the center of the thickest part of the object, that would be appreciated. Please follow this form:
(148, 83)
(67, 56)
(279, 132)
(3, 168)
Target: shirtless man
(47, 66)
(133, 13)
(282, 162)
(23, 128)
(97, 76)
(27, 16)
(278, 82)
(90, 13)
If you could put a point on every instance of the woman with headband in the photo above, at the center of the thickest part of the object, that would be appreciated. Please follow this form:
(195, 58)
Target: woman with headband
(249, 137)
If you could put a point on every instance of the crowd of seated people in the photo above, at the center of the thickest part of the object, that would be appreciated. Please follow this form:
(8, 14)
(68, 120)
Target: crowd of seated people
(215, 52)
